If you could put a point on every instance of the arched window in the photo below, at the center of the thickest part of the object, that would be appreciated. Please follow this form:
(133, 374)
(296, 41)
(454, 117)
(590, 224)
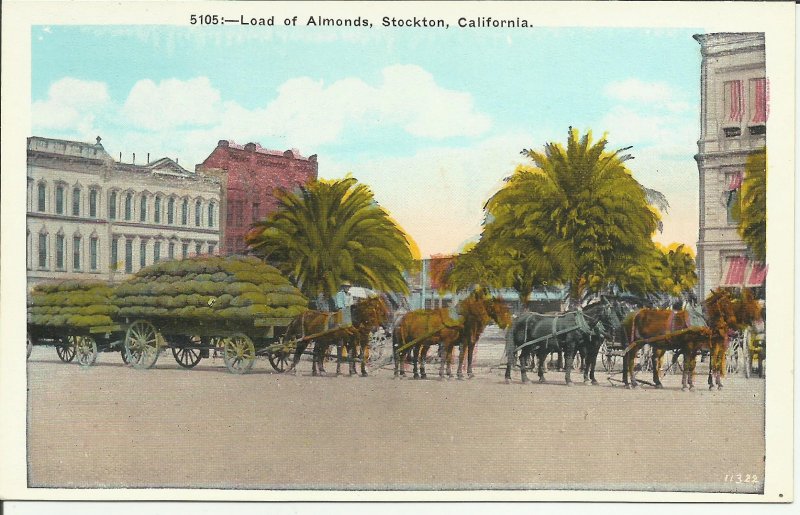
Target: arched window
(185, 212)
(93, 203)
(112, 206)
(143, 208)
(128, 206)
(211, 214)
(157, 210)
(76, 202)
(198, 213)
(93, 247)
(59, 200)
(42, 197)
(76, 251)
(42, 250)
(171, 211)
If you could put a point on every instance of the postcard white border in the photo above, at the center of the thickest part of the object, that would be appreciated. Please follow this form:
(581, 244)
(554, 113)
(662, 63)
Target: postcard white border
(776, 20)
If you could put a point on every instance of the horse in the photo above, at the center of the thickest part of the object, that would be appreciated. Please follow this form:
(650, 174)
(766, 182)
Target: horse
(438, 327)
(313, 322)
(368, 315)
(568, 332)
(674, 330)
(589, 347)
(727, 312)
(476, 313)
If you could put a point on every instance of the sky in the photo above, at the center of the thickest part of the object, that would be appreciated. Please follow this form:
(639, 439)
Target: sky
(432, 120)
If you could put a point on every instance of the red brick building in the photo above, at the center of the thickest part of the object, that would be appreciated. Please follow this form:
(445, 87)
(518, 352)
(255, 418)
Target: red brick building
(250, 174)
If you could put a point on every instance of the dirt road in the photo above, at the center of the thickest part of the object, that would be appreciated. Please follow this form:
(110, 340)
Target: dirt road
(113, 426)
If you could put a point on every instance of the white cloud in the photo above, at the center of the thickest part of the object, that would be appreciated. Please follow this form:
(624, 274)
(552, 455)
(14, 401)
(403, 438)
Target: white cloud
(72, 104)
(172, 103)
(639, 91)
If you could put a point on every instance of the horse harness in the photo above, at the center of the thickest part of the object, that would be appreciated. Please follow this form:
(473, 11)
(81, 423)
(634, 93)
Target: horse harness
(580, 324)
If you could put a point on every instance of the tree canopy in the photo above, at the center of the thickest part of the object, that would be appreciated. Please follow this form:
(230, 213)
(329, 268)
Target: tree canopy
(330, 232)
(575, 216)
(752, 212)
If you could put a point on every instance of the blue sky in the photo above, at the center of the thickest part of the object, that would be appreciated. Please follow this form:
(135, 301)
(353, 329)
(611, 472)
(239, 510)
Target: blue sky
(431, 119)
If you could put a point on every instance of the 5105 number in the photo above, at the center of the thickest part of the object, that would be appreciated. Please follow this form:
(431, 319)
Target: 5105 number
(204, 19)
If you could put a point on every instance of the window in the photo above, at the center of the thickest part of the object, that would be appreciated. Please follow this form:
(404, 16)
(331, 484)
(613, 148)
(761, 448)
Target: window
(171, 250)
(758, 96)
(142, 254)
(76, 202)
(734, 107)
(60, 200)
(185, 250)
(184, 212)
(171, 211)
(128, 256)
(114, 253)
(156, 252)
(93, 254)
(112, 206)
(93, 203)
(60, 251)
(42, 193)
(236, 213)
(128, 206)
(256, 212)
(211, 248)
(198, 247)
(157, 210)
(143, 209)
(211, 215)
(734, 181)
(42, 251)
(76, 252)
(198, 213)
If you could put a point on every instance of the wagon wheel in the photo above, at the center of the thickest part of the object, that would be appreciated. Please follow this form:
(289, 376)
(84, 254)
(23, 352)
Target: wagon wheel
(280, 358)
(607, 357)
(239, 353)
(86, 349)
(124, 354)
(187, 354)
(142, 343)
(734, 357)
(29, 347)
(66, 351)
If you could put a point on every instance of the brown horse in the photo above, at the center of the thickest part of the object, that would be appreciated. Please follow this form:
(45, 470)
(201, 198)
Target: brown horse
(438, 327)
(728, 312)
(315, 322)
(368, 315)
(651, 323)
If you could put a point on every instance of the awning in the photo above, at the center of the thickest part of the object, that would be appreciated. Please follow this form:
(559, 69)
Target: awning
(758, 274)
(740, 271)
(736, 181)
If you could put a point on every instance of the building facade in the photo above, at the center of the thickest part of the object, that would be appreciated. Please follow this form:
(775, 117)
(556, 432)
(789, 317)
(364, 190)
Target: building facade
(249, 175)
(91, 217)
(733, 124)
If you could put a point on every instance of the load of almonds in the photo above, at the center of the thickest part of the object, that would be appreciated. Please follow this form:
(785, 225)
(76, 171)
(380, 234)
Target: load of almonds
(71, 304)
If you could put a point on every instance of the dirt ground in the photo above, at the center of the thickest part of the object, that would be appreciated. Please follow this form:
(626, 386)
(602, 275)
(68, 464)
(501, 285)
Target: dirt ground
(112, 426)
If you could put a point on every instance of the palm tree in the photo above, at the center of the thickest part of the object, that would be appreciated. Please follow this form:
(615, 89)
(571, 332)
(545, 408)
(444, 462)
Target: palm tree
(752, 213)
(331, 232)
(581, 204)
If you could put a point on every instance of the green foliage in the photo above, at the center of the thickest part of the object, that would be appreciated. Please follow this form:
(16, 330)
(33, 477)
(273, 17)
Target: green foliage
(752, 212)
(209, 288)
(577, 217)
(331, 232)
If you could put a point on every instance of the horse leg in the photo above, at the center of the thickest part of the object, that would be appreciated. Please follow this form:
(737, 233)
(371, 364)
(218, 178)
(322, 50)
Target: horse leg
(523, 364)
(657, 362)
(470, 354)
(689, 365)
(451, 347)
(298, 352)
(631, 368)
(461, 355)
(569, 357)
(722, 366)
(542, 355)
(423, 355)
(364, 353)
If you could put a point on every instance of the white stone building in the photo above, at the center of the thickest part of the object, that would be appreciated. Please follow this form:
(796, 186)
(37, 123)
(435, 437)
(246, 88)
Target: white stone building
(91, 217)
(733, 116)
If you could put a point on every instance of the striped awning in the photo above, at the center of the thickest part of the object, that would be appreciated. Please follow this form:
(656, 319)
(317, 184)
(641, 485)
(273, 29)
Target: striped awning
(740, 271)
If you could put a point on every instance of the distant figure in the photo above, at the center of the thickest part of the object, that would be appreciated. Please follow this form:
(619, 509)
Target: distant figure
(344, 303)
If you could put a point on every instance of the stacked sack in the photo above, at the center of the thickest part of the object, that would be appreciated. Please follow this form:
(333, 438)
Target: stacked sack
(71, 304)
(209, 288)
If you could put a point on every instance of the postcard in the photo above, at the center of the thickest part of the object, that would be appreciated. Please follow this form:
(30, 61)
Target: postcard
(397, 251)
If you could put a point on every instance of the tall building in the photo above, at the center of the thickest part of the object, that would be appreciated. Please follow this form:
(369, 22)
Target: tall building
(91, 217)
(733, 124)
(249, 175)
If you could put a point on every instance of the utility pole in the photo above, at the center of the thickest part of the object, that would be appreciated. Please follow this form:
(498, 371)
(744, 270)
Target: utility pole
(423, 280)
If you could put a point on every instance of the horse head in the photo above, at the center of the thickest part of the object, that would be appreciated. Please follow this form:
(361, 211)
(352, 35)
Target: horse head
(370, 312)
(499, 312)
